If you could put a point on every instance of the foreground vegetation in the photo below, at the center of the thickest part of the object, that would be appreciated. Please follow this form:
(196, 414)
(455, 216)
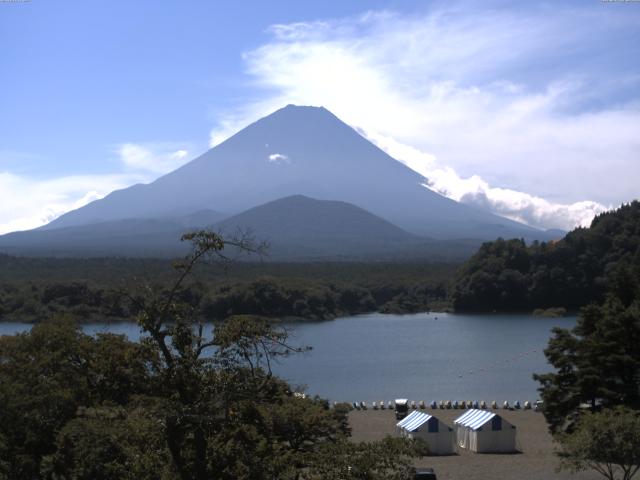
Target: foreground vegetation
(175, 405)
(607, 442)
(592, 398)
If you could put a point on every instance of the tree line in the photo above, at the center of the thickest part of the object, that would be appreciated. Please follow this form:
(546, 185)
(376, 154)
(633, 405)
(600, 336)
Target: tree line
(508, 275)
(351, 290)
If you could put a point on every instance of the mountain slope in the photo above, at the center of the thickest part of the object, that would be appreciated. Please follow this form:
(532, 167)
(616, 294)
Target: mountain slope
(299, 226)
(308, 151)
(129, 237)
(296, 228)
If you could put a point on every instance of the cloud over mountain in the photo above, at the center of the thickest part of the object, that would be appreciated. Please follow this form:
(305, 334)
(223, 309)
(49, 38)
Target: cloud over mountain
(530, 110)
(154, 158)
(520, 111)
(29, 201)
(519, 206)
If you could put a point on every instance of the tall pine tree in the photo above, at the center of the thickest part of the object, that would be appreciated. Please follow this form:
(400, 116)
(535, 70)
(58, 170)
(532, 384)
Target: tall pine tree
(598, 362)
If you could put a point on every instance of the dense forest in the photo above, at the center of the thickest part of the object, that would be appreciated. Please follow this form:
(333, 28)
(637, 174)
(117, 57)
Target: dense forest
(508, 275)
(33, 289)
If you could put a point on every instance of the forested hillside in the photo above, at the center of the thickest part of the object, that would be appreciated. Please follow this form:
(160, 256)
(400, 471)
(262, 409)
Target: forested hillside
(34, 289)
(508, 275)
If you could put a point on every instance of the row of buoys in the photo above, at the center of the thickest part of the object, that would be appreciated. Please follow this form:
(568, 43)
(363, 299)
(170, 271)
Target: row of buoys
(448, 404)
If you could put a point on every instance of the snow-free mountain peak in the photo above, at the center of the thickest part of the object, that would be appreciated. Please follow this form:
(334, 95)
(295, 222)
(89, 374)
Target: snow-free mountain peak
(300, 150)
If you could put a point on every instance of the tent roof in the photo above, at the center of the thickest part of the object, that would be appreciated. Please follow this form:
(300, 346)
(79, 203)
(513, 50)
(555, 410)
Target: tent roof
(414, 421)
(474, 419)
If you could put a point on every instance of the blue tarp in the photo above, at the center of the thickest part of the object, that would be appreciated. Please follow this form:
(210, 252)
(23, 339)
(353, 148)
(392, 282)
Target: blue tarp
(414, 421)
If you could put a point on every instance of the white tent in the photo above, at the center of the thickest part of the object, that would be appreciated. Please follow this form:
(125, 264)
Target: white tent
(438, 436)
(483, 431)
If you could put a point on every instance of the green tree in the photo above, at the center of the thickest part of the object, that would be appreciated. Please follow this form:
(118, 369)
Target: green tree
(598, 362)
(224, 414)
(110, 442)
(607, 442)
(388, 459)
(4, 455)
(48, 373)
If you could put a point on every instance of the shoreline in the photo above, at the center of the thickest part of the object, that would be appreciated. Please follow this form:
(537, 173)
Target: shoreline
(301, 320)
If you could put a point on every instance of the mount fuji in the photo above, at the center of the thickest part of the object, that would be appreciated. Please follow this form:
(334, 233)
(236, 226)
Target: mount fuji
(297, 152)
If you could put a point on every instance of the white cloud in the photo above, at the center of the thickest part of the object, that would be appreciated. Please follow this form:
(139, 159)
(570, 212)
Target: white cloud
(473, 190)
(505, 109)
(278, 158)
(27, 203)
(154, 158)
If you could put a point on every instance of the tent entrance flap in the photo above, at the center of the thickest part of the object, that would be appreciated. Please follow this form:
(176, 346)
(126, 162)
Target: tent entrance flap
(484, 431)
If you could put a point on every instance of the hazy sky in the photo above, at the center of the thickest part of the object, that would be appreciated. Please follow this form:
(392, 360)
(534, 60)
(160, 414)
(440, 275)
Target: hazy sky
(532, 112)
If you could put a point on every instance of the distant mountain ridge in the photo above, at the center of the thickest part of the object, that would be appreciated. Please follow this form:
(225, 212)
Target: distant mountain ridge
(295, 228)
(144, 237)
(285, 216)
(301, 151)
(299, 226)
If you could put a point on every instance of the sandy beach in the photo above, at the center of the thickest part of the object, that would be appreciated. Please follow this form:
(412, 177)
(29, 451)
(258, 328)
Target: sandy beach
(535, 461)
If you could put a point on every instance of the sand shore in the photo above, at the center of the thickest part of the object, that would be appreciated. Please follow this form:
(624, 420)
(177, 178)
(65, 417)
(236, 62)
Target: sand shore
(536, 460)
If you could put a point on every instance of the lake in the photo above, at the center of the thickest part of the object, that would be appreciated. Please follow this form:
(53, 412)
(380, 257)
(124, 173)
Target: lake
(426, 356)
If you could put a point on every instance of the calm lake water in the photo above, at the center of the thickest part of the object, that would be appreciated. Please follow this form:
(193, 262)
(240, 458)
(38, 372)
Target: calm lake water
(422, 356)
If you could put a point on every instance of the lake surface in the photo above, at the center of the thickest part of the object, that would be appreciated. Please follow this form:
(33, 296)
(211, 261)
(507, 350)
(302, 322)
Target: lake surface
(423, 356)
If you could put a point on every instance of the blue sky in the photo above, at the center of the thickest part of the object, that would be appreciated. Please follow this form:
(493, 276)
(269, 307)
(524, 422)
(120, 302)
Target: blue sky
(81, 77)
(531, 112)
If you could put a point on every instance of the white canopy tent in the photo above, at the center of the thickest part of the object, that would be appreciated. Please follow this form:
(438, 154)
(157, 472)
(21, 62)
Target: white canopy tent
(482, 431)
(438, 436)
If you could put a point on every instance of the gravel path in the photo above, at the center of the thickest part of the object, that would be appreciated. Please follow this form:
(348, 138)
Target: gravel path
(535, 461)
